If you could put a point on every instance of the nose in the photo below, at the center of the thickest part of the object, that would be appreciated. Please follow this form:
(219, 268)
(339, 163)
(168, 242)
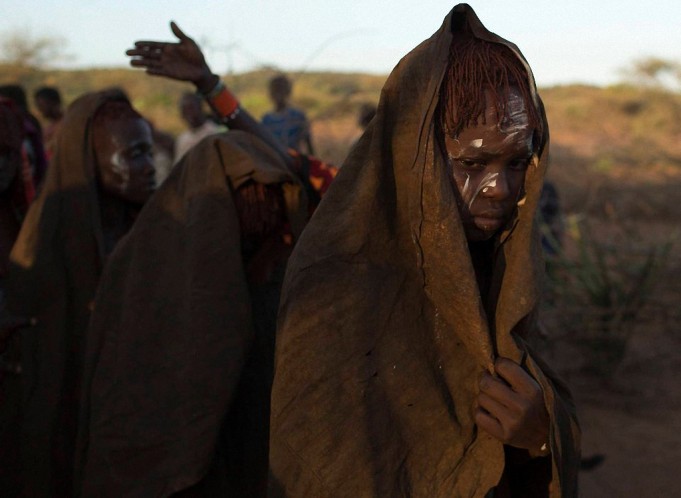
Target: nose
(497, 187)
(149, 167)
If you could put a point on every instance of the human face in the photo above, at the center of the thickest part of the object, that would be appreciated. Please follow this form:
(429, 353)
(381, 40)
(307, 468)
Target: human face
(123, 148)
(488, 163)
(279, 93)
(192, 112)
(47, 108)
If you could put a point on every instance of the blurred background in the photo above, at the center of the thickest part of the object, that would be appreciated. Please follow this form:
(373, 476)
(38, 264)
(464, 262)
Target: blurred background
(610, 77)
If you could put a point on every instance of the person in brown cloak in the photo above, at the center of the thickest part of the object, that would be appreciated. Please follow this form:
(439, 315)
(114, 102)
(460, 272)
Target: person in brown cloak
(181, 342)
(402, 359)
(99, 177)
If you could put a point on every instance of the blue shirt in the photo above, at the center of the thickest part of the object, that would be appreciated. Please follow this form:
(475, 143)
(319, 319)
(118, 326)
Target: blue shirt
(289, 126)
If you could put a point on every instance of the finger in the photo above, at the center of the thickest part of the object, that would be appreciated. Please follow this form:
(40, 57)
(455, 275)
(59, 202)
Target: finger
(152, 54)
(141, 62)
(150, 44)
(178, 32)
(493, 407)
(500, 391)
(158, 71)
(516, 376)
(489, 424)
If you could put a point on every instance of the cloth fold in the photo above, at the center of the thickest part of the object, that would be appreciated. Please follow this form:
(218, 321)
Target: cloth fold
(54, 270)
(375, 389)
(177, 347)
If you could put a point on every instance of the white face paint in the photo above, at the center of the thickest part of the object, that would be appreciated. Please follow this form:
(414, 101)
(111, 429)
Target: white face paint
(488, 160)
(122, 169)
(517, 119)
(466, 186)
(488, 181)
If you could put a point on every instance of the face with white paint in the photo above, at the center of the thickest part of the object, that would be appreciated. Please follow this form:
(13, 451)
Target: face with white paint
(123, 148)
(488, 163)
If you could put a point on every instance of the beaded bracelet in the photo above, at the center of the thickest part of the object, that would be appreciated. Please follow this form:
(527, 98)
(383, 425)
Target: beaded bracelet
(223, 102)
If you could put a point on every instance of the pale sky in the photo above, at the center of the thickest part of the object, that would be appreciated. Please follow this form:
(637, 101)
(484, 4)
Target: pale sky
(564, 41)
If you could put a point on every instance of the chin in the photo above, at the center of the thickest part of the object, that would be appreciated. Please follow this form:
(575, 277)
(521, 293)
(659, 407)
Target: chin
(476, 234)
(479, 236)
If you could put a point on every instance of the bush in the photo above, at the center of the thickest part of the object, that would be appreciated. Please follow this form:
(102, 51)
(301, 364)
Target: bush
(597, 290)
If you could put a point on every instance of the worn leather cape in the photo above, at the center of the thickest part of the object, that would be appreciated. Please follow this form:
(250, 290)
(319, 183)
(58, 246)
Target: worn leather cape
(54, 270)
(173, 337)
(383, 334)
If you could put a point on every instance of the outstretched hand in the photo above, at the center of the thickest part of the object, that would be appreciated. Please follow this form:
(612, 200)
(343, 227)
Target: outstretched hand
(182, 61)
(511, 408)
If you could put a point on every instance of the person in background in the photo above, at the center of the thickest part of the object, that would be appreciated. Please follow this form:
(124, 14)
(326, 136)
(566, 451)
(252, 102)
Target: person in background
(48, 101)
(200, 127)
(288, 124)
(180, 359)
(552, 222)
(33, 139)
(100, 176)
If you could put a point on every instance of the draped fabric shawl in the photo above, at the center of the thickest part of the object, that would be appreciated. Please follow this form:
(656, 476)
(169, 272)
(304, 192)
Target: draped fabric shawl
(54, 270)
(173, 331)
(383, 334)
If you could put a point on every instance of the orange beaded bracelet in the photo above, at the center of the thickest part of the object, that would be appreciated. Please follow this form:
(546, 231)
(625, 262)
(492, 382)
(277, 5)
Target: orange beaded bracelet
(223, 102)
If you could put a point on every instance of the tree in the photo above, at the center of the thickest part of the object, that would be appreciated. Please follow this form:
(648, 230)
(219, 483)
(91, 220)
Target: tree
(655, 72)
(19, 47)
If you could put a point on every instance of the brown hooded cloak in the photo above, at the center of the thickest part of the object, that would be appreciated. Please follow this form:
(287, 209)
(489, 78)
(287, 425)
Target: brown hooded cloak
(55, 266)
(383, 333)
(181, 344)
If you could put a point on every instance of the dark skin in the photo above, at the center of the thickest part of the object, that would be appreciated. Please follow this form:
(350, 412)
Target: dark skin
(192, 111)
(488, 163)
(48, 109)
(184, 61)
(126, 172)
(510, 406)
(124, 150)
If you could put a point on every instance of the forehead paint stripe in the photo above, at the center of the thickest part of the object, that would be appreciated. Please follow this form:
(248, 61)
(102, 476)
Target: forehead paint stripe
(517, 118)
(477, 143)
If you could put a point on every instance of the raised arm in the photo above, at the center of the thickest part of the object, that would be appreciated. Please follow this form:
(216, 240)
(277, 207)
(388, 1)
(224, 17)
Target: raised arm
(184, 61)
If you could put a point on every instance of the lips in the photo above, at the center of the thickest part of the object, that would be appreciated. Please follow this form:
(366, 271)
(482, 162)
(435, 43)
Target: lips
(489, 221)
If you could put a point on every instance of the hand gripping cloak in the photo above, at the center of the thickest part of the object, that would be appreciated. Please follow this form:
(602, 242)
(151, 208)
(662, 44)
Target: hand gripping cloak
(383, 333)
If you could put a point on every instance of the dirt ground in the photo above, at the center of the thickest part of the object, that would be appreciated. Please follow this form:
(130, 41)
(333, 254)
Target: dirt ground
(633, 415)
(634, 420)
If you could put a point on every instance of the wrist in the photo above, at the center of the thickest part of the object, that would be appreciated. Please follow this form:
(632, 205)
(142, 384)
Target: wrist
(206, 82)
(223, 102)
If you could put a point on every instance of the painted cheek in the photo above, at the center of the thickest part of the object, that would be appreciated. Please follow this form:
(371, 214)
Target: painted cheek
(488, 181)
(122, 170)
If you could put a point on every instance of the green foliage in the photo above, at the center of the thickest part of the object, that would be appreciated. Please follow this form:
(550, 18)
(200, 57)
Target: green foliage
(600, 291)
